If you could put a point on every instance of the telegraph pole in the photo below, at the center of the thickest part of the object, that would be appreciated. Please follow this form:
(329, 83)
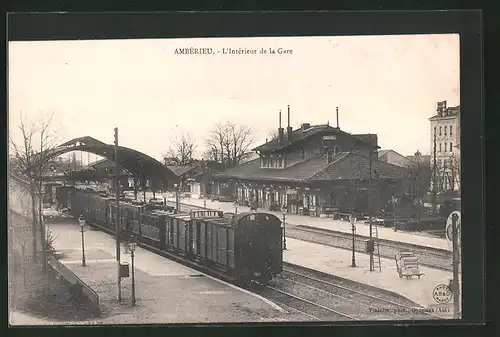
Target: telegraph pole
(370, 197)
(456, 261)
(117, 191)
(434, 173)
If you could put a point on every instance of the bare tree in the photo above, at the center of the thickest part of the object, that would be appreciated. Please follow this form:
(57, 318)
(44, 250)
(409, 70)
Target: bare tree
(272, 134)
(181, 151)
(420, 176)
(228, 143)
(451, 171)
(29, 159)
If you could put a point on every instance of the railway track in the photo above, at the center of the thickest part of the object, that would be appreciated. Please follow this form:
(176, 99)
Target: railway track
(428, 257)
(311, 309)
(357, 301)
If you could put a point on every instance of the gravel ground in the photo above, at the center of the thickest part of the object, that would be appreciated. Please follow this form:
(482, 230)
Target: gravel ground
(429, 257)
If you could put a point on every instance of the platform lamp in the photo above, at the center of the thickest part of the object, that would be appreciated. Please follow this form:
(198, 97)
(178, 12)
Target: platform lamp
(236, 207)
(131, 246)
(283, 210)
(177, 205)
(81, 221)
(394, 201)
(204, 201)
(353, 229)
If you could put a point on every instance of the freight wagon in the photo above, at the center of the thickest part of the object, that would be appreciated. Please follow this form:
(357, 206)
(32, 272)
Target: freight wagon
(63, 196)
(239, 248)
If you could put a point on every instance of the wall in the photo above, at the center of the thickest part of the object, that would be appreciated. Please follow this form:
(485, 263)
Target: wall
(61, 271)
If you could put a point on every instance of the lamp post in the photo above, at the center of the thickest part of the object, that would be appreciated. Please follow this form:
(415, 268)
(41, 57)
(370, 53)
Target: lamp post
(177, 205)
(394, 200)
(353, 228)
(236, 207)
(132, 245)
(205, 201)
(81, 220)
(283, 210)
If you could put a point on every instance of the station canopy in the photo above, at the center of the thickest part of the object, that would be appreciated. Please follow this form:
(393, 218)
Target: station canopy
(137, 163)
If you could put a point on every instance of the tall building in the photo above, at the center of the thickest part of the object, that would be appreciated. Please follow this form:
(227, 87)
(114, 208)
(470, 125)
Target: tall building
(445, 147)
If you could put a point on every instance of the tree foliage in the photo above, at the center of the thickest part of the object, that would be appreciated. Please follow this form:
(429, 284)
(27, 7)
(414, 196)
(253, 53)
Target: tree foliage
(181, 152)
(227, 143)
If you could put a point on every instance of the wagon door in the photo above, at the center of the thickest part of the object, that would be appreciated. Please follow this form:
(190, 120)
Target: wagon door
(208, 238)
(230, 247)
(202, 237)
(222, 240)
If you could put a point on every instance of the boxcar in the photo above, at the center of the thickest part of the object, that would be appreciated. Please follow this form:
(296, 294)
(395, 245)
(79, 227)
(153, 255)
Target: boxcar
(239, 247)
(64, 196)
(245, 246)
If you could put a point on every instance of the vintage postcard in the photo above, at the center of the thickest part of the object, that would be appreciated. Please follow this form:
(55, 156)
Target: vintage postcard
(224, 180)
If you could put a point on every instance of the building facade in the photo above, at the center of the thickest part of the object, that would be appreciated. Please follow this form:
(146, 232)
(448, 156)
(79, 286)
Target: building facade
(445, 148)
(313, 170)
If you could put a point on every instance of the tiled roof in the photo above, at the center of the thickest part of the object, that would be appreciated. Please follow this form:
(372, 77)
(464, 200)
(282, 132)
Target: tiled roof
(344, 165)
(356, 166)
(299, 135)
(180, 170)
(297, 172)
(382, 153)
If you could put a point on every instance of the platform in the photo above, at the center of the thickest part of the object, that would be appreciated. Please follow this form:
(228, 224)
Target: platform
(166, 292)
(416, 238)
(337, 262)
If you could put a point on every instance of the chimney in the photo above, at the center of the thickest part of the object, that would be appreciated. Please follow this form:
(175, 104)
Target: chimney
(281, 133)
(305, 126)
(337, 110)
(289, 128)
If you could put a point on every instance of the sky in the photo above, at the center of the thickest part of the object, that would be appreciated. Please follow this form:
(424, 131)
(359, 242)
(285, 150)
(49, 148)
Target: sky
(388, 85)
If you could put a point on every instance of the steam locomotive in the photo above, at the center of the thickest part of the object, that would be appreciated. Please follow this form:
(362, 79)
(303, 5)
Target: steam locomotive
(237, 248)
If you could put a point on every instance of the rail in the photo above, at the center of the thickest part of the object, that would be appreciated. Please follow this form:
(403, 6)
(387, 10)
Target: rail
(69, 276)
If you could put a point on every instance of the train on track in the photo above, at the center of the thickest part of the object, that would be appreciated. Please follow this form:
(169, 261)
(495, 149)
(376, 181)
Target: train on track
(239, 248)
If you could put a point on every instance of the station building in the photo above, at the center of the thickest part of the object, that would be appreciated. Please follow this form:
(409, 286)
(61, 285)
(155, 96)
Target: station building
(314, 170)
